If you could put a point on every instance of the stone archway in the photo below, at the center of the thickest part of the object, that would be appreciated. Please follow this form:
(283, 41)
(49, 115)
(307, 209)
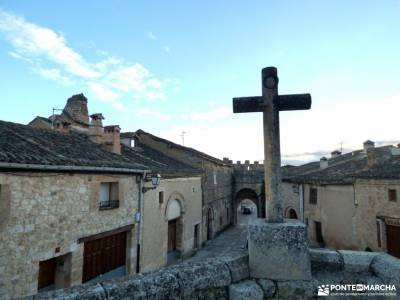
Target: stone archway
(174, 217)
(247, 194)
(291, 213)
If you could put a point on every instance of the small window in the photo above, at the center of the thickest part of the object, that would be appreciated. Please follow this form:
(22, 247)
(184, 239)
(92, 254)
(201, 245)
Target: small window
(109, 193)
(132, 143)
(215, 178)
(194, 190)
(307, 222)
(313, 196)
(160, 197)
(392, 195)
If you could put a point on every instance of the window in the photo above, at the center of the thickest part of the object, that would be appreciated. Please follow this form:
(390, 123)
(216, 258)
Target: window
(313, 196)
(109, 193)
(215, 178)
(132, 143)
(160, 197)
(307, 222)
(392, 195)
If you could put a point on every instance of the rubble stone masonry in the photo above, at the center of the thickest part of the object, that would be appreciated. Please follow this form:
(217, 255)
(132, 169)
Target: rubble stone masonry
(44, 214)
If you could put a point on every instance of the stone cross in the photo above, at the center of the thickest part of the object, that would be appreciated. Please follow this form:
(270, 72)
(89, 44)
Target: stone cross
(270, 103)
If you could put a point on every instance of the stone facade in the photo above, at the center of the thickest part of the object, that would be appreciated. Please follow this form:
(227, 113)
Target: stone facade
(216, 181)
(187, 191)
(350, 214)
(45, 216)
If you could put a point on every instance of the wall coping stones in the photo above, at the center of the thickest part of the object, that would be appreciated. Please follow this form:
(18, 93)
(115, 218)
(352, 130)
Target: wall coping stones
(387, 268)
(357, 261)
(326, 260)
(245, 290)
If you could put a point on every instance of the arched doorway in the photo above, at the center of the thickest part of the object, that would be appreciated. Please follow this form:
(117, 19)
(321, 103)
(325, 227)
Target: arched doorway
(173, 216)
(291, 213)
(209, 223)
(247, 206)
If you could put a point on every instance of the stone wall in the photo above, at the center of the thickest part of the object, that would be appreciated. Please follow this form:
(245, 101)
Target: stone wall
(349, 213)
(46, 215)
(216, 182)
(155, 224)
(228, 278)
(372, 206)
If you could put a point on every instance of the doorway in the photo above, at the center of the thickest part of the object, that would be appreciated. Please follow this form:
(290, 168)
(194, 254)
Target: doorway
(393, 240)
(318, 232)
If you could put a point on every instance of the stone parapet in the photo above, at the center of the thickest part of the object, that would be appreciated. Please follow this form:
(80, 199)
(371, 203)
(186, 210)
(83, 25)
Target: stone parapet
(227, 278)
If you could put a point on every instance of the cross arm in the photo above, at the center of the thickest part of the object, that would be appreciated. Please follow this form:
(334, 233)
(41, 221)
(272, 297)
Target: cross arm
(294, 102)
(248, 104)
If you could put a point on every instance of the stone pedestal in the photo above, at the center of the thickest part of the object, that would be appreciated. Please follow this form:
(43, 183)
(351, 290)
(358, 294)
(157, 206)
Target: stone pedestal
(279, 250)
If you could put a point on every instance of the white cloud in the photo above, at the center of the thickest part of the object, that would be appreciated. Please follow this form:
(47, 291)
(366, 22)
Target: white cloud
(151, 36)
(32, 41)
(166, 49)
(53, 74)
(111, 79)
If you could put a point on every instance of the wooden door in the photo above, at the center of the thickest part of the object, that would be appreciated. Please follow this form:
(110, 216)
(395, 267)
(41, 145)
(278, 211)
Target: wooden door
(172, 235)
(393, 240)
(318, 232)
(47, 273)
(103, 255)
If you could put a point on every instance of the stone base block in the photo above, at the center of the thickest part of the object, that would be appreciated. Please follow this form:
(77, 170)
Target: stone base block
(278, 250)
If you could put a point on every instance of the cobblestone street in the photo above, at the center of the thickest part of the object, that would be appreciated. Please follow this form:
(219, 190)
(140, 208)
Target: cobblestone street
(231, 241)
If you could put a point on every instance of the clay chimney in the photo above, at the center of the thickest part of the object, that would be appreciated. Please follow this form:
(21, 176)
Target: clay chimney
(368, 145)
(112, 140)
(323, 163)
(96, 131)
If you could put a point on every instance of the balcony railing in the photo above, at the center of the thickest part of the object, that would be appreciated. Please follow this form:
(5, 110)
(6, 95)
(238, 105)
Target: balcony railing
(111, 204)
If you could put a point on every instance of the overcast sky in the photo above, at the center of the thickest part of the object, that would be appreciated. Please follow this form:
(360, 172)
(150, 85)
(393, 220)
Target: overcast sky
(173, 66)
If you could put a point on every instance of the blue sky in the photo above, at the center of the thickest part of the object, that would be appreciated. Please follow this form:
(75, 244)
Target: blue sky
(173, 66)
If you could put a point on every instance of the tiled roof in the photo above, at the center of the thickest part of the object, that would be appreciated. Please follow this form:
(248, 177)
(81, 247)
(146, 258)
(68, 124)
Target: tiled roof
(347, 168)
(183, 148)
(25, 145)
(158, 162)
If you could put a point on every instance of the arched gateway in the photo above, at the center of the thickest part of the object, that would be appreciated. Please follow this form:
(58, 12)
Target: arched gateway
(251, 195)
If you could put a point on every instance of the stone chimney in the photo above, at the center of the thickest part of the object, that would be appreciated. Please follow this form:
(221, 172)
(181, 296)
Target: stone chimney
(335, 153)
(96, 131)
(63, 126)
(323, 163)
(76, 108)
(368, 145)
(247, 162)
(112, 140)
(226, 160)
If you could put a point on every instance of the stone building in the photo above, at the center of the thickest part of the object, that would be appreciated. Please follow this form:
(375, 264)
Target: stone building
(351, 201)
(67, 208)
(171, 212)
(178, 217)
(216, 181)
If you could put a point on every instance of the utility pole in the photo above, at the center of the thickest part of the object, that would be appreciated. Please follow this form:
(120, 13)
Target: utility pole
(183, 137)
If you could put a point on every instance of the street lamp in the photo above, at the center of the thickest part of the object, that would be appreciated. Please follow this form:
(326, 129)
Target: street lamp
(155, 181)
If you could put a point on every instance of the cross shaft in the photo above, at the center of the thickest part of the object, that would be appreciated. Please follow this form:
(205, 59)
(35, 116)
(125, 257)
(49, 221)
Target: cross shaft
(270, 103)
